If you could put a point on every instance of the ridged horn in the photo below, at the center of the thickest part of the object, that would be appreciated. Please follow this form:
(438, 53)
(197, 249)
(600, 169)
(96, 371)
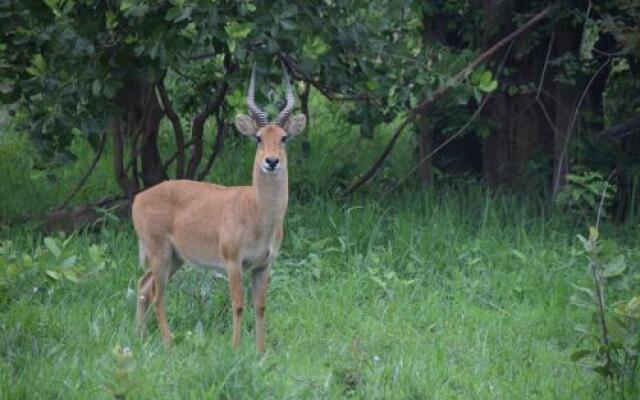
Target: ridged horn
(288, 108)
(258, 115)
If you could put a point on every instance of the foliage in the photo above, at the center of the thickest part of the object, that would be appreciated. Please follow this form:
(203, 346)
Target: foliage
(69, 64)
(610, 341)
(37, 273)
(122, 370)
(584, 191)
(486, 315)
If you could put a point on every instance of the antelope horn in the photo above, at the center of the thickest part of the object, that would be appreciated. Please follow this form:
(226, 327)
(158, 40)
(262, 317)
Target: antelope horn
(286, 111)
(258, 115)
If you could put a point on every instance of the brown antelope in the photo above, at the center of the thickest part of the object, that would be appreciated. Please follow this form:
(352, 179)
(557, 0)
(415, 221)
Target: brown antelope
(237, 229)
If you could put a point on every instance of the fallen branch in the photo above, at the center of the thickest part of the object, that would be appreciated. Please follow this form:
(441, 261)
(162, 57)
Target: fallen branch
(85, 215)
(424, 105)
(624, 129)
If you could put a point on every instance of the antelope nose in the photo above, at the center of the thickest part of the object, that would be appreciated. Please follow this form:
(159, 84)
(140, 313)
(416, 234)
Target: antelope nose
(272, 162)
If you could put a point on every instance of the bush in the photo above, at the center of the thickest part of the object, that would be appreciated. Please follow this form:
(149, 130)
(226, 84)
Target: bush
(51, 263)
(610, 340)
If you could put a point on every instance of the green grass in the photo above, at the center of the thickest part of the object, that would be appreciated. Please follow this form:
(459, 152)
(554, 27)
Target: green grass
(457, 295)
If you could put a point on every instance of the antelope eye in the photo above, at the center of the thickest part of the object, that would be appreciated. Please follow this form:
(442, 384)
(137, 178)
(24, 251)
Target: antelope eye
(258, 139)
(284, 139)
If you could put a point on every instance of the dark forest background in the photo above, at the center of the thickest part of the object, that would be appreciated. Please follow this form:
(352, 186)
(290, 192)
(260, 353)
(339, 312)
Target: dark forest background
(535, 97)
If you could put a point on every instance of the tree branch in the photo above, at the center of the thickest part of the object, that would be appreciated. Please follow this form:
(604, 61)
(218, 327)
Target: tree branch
(299, 73)
(217, 145)
(556, 174)
(197, 127)
(177, 127)
(440, 91)
(460, 131)
(622, 130)
(87, 174)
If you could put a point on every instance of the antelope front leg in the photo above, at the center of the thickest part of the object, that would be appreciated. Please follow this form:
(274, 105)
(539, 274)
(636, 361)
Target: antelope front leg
(259, 286)
(234, 276)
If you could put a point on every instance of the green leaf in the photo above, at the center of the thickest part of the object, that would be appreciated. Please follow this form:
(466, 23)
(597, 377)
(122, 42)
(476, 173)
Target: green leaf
(590, 35)
(582, 301)
(68, 262)
(580, 354)
(12, 270)
(190, 31)
(111, 19)
(71, 275)
(519, 255)
(38, 65)
(52, 246)
(199, 333)
(315, 48)
(615, 267)
(372, 84)
(585, 243)
(53, 275)
(237, 30)
(486, 76)
(589, 292)
(95, 253)
(488, 87)
(96, 87)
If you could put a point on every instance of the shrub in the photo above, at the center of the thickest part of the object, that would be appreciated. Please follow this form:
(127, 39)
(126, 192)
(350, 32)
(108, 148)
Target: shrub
(51, 263)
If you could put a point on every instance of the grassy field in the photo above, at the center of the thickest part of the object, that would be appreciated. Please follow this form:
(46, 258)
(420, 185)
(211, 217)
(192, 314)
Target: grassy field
(456, 295)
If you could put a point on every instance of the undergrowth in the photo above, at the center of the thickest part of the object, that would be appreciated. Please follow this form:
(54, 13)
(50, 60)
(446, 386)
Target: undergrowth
(454, 294)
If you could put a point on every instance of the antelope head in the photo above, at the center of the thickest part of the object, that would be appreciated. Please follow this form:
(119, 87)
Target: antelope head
(271, 137)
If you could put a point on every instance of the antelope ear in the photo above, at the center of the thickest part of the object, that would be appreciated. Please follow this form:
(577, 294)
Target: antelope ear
(246, 125)
(295, 125)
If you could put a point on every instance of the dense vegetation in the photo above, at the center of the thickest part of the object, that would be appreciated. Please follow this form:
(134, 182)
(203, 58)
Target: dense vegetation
(456, 294)
(463, 219)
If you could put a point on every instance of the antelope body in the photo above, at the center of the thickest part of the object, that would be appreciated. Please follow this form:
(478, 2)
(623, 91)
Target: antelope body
(236, 229)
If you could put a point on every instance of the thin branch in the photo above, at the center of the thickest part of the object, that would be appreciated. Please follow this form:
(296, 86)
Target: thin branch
(177, 127)
(546, 63)
(217, 145)
(597, 277)
(173, 157)
(460, 131)
(465, 72)
(299, 73)
(87, 174)
(567, 136)
(622, 130)
(197, 127)
(424, 105)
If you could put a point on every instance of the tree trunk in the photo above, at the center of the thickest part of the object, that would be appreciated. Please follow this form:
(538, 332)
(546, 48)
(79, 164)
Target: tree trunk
(518, 128)
(128, 185)
(138, 123)
(152, 168)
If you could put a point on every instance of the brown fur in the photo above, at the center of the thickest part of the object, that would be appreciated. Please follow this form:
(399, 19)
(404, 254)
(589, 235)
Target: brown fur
(236, 229)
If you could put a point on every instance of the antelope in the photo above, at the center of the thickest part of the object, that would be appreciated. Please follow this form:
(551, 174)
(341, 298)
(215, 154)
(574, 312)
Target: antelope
(236, 229)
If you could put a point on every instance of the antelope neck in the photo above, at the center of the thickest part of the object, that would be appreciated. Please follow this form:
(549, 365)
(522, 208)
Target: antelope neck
(271, 192)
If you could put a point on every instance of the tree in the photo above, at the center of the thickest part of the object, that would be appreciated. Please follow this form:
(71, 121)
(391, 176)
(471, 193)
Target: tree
(119, 67)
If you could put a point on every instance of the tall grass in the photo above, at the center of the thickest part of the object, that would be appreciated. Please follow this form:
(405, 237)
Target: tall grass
(449, 295)
(456, 292)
